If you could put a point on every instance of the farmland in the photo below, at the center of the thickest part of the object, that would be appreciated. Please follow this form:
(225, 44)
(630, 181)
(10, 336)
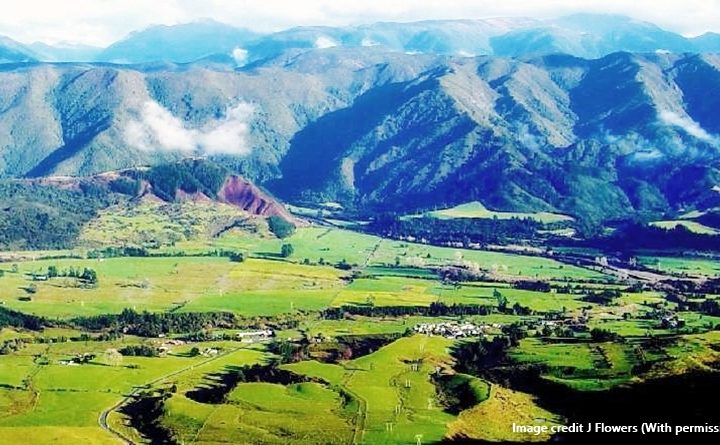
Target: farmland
(477, 210)
(344, 365)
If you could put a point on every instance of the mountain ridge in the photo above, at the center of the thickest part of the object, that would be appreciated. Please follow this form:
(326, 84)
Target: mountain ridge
(625, 135)
(583, 35)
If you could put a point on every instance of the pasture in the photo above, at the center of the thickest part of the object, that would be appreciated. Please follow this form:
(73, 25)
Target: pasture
(709, 267)
(475, 209)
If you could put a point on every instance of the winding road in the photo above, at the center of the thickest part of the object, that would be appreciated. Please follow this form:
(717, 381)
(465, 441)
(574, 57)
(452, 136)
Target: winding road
(103, 418)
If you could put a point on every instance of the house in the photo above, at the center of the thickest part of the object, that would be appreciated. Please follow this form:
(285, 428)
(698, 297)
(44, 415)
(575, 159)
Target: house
(451, 329)
(253, 336)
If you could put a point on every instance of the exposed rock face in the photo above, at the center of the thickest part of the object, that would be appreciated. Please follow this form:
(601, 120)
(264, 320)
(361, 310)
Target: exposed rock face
(242, 193)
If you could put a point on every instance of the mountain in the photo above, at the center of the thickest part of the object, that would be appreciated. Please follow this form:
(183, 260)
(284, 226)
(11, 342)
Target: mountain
(64, 52)
(708, 42)
(448, 37)
(580, 35)
(623, 135)
(14, 52)
(590, 36)
(178, 43)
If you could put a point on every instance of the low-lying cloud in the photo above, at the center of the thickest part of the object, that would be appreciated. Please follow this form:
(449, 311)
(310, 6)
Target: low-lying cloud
(241, 56)
(688, 125)
(324, 42)
(156, 128)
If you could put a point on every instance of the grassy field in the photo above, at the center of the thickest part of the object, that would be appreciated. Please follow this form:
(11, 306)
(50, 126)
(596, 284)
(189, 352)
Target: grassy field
(63, 401)
(475, 209)
(334, 245)
(692, 226)
(387, 396)
(266, 287)
(492, 420)
(683, 265)
(156, 223)
(583, 366)
(398, 401)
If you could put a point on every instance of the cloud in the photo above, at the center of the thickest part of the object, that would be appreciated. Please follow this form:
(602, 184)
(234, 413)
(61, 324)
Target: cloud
(324, 42)
(156, 128)
(368, 42)
(688, 125)
(240, 55)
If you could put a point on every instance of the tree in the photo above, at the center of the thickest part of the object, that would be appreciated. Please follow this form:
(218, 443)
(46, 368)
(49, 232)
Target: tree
(603, 335)
(287, 250)
(280, 227)
(237, 257)
(88, 276)
(502, 301)
(52, 271)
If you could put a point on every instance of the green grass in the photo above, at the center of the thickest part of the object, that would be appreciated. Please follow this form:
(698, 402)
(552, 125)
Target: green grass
(475, 209)
(269, 413)
(492, 420)
(62, 402)
(692, 226)
(396, 401)
(396, 394)
(152, 223)
(678, 265)
(159, 284)
(268, 287)
(583, 366)
(335, 245)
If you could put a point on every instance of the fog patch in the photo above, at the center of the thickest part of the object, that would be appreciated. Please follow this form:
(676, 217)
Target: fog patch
(366, 42)
(241, 56)
(324, 42)
(687, 124)
(156, 128)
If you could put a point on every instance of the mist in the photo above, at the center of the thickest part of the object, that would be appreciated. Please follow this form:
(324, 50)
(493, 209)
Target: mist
(156, 128)
(686, 124)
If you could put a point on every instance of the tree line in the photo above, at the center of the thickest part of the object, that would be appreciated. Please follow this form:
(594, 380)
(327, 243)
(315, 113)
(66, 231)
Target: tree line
(458, 230)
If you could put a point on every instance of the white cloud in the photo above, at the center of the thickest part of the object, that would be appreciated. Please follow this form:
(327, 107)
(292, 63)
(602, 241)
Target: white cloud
(687, 124)
(324, 42)
(101, 22)
(368, 42)
(240, 55)
(156, 128)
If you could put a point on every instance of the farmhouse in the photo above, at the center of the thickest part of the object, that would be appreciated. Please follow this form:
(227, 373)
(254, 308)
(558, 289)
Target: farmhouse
(252, 336)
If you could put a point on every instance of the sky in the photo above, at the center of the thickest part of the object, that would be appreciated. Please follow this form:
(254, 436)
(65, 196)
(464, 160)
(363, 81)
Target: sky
(101, 22)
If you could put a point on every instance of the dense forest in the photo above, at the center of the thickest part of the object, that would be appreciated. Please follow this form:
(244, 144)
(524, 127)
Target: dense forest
(461, 230)
(34, 216)
(41, 216)
(19, 320)
(636, 236)
(148, 324)
(189, 175)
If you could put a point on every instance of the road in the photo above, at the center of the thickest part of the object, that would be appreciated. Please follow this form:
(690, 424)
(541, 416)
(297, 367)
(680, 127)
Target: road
(103, 418)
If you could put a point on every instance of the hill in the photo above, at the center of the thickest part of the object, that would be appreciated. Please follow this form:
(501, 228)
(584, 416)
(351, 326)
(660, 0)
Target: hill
(55, 212)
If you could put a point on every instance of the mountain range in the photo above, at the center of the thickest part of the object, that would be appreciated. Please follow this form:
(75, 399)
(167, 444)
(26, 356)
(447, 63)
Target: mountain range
(581, 35)
(392, 116)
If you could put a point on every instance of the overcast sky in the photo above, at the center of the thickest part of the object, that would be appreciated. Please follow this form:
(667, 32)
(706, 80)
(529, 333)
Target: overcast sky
(100, 22)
